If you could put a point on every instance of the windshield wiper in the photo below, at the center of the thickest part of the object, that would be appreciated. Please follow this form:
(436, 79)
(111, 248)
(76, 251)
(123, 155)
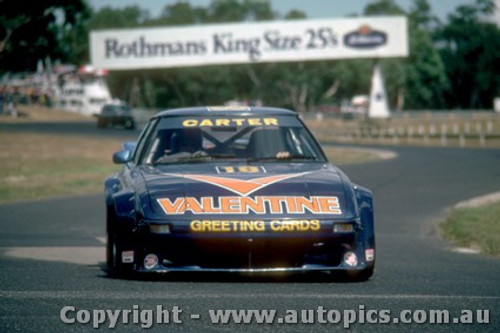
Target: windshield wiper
(192, 158)
(283, 158)
(217, 156)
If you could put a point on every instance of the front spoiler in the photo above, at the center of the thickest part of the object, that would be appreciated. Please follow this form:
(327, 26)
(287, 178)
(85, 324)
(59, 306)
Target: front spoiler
(302, 269)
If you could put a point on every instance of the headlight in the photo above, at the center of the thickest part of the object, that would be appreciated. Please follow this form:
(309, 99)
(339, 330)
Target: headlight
(159, 228)
(150, 261)
(343, 227)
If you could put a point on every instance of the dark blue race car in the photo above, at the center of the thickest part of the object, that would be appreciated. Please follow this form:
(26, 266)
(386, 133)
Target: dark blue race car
(235, 189)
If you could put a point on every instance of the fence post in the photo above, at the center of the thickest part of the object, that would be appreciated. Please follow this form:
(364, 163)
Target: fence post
(444, 135)
(461, 140)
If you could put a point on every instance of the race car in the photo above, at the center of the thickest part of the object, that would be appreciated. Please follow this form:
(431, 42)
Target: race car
(114, 114)
(235, 189)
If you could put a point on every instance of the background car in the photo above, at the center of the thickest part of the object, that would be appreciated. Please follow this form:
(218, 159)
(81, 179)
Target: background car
(235, 189)
(113, 115)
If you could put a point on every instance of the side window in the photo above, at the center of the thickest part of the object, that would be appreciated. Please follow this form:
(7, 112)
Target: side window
(143, 140)
(159, 145)
(305, 140)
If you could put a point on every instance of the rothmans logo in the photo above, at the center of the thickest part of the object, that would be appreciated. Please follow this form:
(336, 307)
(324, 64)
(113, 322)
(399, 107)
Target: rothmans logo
(365, 38)
(243, 204)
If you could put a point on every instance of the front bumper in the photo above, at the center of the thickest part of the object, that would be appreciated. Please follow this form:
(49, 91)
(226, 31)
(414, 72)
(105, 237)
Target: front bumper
(296, 252)
(303, 269)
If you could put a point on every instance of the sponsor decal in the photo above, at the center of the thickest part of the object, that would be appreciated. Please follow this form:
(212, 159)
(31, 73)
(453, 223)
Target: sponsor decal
(127, 257)
(240, 169)
(365, 38)
(227, 122)
(228, 108)
(241, 187)
(243, 204)
(257, 205)
(253, 225)
(369, 254)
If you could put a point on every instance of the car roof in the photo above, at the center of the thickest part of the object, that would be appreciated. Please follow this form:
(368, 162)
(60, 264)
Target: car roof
(204, 111)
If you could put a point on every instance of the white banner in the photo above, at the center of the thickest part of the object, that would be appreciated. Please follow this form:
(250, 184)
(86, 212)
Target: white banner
(296, 40)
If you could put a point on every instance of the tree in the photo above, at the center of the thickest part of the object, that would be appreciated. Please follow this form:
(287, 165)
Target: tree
(127, 17)
(426, 81)
(470, 48)
(33, 30)
(418, 82)
(383, 8)
(295, 15)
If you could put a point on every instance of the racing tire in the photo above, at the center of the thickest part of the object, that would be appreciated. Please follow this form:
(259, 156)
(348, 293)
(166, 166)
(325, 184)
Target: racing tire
(129, 124)
(115, 244)
(114, 247)
(102, 123)
(359, 276)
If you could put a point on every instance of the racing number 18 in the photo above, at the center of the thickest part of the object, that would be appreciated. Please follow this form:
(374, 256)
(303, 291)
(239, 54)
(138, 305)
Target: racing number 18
(241, 168)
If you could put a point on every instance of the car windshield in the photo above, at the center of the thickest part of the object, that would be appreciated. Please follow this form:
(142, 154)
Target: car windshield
(121, 108)
(199, 139)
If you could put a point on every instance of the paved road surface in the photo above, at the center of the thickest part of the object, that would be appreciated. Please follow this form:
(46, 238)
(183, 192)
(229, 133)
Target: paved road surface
(51, 256)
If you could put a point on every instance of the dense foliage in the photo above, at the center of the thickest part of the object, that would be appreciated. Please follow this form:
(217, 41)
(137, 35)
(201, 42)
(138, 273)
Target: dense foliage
(452, 64)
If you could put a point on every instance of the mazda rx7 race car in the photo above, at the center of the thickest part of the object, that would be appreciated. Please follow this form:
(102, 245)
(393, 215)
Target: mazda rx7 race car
(235, 189)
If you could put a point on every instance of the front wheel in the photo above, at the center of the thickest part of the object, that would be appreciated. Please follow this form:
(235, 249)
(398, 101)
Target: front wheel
(112, 251)
(359, 276)
(129, 124)
(115, 246)
(116, 243)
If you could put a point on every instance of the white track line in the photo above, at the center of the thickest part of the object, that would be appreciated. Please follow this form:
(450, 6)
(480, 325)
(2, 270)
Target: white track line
(81, 255)
(75, 294)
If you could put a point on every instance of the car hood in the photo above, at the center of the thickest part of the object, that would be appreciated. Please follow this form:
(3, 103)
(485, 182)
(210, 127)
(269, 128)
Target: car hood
(272, 190)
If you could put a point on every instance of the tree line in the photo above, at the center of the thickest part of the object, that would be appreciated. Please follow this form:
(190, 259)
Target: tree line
(453, 64)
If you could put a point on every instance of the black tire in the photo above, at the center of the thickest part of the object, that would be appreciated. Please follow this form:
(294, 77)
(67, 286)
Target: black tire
(129, 124)
(112, 259)
(359, 276)
(102, 123)
(116, 243)
(351, 276)
(111, 251)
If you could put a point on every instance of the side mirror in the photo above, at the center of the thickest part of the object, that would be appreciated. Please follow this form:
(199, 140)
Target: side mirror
(122, 157)
(125, 154)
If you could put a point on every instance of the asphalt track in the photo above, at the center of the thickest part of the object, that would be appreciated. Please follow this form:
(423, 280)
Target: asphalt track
(51, 256)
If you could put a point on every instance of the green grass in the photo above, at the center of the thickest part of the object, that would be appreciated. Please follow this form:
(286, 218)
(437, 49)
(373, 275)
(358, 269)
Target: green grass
(477, 228)
(55, 179)
(346, 156)
(36, 165)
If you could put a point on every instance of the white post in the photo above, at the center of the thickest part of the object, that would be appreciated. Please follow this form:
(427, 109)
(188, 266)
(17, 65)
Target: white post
(378, 107)
(444, 135)
(489, 127)
(461, 140)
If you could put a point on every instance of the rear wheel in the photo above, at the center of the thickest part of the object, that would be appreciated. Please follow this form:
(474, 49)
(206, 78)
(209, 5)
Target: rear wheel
(101, 122)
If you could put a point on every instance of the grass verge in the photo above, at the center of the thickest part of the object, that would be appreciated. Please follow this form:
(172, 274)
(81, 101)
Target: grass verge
(476, 228)
(346, 156)
(34, 165)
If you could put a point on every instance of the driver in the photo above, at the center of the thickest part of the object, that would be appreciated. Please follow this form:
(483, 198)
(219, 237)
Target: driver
(187, 141)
